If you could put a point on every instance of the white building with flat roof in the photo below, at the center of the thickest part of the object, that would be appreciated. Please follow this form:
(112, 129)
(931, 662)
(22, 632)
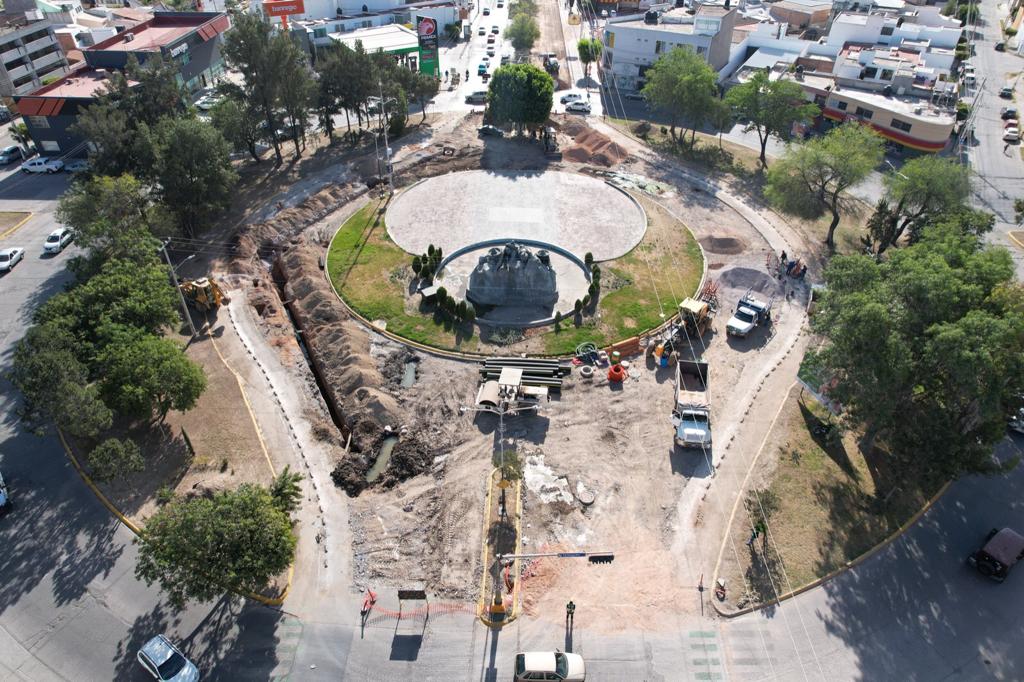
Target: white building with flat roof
(632, 44)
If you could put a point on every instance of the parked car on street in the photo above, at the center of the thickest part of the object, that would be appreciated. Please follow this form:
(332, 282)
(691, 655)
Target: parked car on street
(571, 97)
(999, 552)
(491, 131)
(487, 11)
(1006, 92)
(1000, 46)
(549, 665)
(1008, 112)
(579, 107)
(164, 662)
(478, 97)
(9, 155)
(10, 257)
(208, 101)
(42, 165)
(1011, 135)
(490, 51)
(482, 31)
(76, 166)
(635, 96)
(495, 30)
(481, 69)
(57, 240)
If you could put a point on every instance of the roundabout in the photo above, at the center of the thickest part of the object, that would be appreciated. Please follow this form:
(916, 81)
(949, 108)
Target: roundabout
(578, 213)
(647, 261)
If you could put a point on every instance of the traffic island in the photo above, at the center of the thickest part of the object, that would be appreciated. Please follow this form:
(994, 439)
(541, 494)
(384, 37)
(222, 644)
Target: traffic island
(499, 585)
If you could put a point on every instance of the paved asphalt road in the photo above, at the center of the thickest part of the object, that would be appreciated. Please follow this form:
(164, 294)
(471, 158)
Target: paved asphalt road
(70, 607)
(999, 174)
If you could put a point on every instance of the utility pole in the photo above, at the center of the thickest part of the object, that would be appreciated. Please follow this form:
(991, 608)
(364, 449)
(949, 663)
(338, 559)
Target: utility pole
(384, 127)
(177, 287)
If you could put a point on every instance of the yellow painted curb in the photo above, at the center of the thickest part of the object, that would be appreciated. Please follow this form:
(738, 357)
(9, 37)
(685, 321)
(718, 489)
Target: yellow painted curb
(134, 528)
(245, 399)
(96, 491)
(1014, 239)
(484, 600)
(15, 228)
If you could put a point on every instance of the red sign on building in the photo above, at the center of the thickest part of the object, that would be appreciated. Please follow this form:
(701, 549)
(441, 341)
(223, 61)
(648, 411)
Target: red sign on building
(282, 8)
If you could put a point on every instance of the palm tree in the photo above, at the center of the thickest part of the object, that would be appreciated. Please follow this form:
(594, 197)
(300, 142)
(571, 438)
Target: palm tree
(19, 133)
(285, 490)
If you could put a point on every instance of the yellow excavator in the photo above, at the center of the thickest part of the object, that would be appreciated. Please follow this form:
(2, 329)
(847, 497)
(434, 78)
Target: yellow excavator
(203, 293)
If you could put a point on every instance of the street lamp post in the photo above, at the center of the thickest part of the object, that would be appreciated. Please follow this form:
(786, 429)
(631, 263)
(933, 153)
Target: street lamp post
(177, 287)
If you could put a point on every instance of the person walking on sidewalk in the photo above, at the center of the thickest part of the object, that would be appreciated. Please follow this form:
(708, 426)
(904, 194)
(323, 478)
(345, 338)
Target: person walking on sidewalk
(570, 609)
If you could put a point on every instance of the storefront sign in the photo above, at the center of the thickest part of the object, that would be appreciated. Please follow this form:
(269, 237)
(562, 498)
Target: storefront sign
(426, 29)
(282, 8)
(180, 49)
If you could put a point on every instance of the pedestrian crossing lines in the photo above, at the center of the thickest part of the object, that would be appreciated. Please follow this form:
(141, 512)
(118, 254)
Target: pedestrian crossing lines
(289, 634)
(703, 656)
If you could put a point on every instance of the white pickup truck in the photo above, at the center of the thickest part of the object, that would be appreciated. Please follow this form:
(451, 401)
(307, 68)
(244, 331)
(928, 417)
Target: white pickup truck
(750, 312)
(691, 416)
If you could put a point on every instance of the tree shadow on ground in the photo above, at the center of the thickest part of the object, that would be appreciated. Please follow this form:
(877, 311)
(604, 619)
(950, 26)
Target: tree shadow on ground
(55, 525)
(827, 437)
(917, 596)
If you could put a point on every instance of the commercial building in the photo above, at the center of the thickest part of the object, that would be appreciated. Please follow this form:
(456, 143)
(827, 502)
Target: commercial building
(632, 45)
(189, 40)
(29, 56)
(918, 123)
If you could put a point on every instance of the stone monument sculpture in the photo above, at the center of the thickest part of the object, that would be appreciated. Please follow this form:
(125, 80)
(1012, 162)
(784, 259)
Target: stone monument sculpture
(513, 275)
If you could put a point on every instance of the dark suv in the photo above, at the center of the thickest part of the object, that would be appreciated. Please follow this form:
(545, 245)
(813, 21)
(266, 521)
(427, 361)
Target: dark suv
(1000, 551)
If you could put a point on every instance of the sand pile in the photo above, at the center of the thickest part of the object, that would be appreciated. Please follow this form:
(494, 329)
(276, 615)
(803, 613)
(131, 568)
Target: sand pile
(725, 245)
(748, 278)
(592, 146)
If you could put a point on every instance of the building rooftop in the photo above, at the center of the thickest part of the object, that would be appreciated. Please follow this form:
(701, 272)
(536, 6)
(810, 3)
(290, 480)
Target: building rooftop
(803, 4)
(912, 108)
(80, 84)
(162, 30)
(390, 38)
(673, 21)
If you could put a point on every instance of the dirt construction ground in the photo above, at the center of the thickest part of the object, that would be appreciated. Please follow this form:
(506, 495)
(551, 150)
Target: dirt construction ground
(421, 520)
(614, 441)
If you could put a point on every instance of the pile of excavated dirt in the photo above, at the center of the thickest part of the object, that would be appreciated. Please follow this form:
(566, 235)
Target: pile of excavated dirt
(591, 146)
(748, 278)
(730, 246)
(288, 223)
(338, 346)
(393, 368)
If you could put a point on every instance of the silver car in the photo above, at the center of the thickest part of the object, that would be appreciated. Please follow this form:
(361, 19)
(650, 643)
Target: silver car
(10, 257)
(164, 662)
(57, 240)
(9, 155)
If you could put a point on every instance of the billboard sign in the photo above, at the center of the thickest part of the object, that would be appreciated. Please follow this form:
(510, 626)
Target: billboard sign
(282, 8)
(426, 30)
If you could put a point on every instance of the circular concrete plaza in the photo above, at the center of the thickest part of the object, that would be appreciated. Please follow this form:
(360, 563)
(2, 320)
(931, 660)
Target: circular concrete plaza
(576, 212)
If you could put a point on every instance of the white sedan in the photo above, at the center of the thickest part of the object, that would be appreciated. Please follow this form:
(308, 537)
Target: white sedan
(42, 165)
(10, 257)
(579, 106)
(57, 240)
(164, 662)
